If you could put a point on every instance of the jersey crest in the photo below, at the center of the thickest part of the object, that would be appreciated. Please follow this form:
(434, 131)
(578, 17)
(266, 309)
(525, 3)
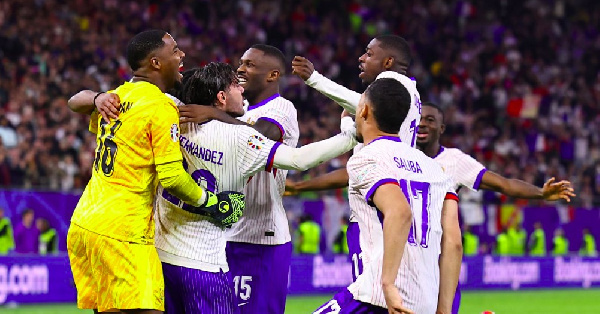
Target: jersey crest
(174, 132)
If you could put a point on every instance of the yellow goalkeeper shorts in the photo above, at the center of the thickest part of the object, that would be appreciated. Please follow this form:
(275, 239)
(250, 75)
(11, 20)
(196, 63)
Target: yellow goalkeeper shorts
(111, 274)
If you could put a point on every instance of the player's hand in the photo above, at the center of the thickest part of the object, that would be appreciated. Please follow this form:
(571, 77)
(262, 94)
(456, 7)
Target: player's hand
(394, 300)
(108, 105)
(197, 113)
(225, 207)
(553, 191)
(302, 67)
(290, 188)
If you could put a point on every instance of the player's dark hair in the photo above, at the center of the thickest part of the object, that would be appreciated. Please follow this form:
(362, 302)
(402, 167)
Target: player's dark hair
(438, 108)
(142, 44)
(390, 102)
(398, 46)
(201, 85)
(274, 52)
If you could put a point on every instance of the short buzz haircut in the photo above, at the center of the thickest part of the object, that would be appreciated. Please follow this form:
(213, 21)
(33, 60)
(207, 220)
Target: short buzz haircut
(390, 102)
(398, 46)
(142, 44)
(274, 52)
(438, 108)
(201, 85)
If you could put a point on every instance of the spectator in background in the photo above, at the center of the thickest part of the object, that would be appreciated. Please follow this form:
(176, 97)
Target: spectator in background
(340, 244)
(537, 240)
(48, 241)
(4, 166)
(502, 244)
(493, 80)
(560, 243)
(7, 242)
(26, 234)
(68, 171)
(308, 236)
(517, 238)
(470, 242)
(588, 245)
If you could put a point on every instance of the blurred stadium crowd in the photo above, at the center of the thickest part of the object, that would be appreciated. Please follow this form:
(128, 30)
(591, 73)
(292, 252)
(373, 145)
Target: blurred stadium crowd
(518, 80)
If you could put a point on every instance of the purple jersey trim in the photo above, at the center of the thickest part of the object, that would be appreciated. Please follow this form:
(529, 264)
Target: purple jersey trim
(276, 123)
(478, 180)
(389, 138)
(269, 166)
(375, 186)
(264, 102)
(439, 153)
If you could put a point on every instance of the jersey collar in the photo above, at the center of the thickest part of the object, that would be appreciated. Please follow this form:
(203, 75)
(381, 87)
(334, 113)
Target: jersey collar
(440, 152)
(264, 102)
(387, 137)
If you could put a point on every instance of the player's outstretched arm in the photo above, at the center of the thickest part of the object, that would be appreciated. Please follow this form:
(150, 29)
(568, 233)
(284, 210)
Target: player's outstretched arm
(451, 257)
(552, 191)
(198, 114)
(345, 97)
(86, 101)
(312, 155)
(397, 218)
(336, 179)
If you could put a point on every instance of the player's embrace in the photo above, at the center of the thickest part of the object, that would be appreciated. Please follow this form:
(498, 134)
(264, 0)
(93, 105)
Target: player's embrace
(111, 238)
(396, 195)
(220, 157)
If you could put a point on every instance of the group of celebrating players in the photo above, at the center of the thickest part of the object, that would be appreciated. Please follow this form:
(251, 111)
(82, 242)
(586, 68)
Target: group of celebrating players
(190, 219)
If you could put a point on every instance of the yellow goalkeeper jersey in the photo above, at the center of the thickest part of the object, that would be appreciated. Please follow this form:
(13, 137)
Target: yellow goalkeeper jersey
(118, 200)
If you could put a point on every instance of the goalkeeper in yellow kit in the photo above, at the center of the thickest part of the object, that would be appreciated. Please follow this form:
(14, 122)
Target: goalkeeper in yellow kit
(111, 237)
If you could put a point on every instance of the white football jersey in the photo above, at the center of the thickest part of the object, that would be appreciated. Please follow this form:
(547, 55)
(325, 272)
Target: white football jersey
(349, 100)
(388, 160)
(220, 157)
(264, 220)
(463, 169)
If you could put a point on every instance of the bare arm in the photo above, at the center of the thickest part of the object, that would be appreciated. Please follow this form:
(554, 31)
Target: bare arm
(552, 191)
(268, 129)
(451, 257)
(336, 179)
(199, 114)
(397, 218)
(108, 104)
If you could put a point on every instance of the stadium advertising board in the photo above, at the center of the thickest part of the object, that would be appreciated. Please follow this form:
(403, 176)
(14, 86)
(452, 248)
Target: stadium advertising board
(29, 279)
(319, 274)
(36, 279)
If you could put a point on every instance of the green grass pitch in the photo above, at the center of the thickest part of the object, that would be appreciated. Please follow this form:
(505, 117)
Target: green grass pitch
(529, 301)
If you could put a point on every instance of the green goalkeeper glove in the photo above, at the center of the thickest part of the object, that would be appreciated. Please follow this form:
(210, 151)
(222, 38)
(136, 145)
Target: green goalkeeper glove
(225, 207)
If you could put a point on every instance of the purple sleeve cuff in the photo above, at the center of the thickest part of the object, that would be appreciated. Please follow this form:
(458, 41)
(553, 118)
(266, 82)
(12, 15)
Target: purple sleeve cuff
(269, 166)
(478, 179)
(374, 188)
(276, 123)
